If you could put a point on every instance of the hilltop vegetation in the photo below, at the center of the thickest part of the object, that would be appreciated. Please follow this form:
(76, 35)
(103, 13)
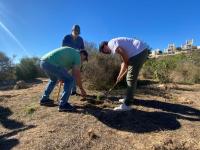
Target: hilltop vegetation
(180, 68)
(101, 71)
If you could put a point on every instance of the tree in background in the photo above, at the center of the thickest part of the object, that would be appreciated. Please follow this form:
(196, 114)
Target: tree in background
(28, 69)
(7, 71)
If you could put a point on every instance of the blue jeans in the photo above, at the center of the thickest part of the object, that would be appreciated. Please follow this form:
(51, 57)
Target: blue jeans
(56, 73)
(74, 86)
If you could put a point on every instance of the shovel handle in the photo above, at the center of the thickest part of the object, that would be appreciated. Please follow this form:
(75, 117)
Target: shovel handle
(60, 84)
(111, 88)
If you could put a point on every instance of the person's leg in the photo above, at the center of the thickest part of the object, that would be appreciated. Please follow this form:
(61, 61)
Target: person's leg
(74, 87)
(59, 73)
(52, 81)
(49, 88)
(68, 85)
(131, 80)
(135, 64)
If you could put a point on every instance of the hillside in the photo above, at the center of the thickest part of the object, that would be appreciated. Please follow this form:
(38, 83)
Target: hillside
(163, 117)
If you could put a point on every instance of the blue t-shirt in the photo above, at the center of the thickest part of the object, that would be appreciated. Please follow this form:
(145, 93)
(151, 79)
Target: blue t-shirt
(70, 42)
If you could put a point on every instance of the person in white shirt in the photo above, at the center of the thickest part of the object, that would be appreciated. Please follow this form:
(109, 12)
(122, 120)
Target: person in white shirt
(133, 53)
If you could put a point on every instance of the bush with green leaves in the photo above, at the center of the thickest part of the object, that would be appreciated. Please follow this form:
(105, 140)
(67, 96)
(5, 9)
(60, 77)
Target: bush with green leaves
(7, 71)
(182, 68)
(101, 70)
(28, 69)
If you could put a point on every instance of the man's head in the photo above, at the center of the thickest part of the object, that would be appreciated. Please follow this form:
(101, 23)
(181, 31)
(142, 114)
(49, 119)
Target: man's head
(103, 48)
(76, 30)
(84, 55)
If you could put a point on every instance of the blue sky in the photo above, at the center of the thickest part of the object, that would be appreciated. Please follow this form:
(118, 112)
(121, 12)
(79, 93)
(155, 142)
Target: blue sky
(34, 27)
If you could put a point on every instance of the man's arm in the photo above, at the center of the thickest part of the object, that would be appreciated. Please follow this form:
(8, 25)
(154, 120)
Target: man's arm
(77, 74)
(82, 43)
(124, 65)
(123, 54)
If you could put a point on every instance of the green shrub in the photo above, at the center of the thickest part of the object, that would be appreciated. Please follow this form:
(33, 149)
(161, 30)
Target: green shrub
(186, 72)
(101, 70)
(178, 68)
(28, 69)
(7, 71)
(147, 70)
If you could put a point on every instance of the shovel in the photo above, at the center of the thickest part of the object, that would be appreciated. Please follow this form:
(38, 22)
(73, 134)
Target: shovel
(60, 84)
(106, 94)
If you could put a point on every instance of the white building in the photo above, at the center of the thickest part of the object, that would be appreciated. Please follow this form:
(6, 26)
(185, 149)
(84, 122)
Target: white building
(171, 49)
(188, 45)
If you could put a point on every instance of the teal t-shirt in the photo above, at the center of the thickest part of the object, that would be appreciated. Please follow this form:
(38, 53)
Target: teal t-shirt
(66, 57)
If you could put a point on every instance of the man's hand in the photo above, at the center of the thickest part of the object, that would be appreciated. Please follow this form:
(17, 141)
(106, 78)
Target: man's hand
(61, 81)
(119, 79)
(77, 74)
(121, 75)
(83, 93)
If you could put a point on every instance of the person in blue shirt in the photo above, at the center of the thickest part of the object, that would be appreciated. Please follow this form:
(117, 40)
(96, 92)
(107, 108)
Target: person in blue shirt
(74, 40)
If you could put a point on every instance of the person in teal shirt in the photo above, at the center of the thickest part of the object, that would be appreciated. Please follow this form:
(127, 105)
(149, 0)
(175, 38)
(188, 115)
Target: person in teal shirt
(56, 65)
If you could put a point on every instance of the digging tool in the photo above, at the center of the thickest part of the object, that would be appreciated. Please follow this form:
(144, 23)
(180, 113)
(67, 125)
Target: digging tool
(59, 87)
(106, 94)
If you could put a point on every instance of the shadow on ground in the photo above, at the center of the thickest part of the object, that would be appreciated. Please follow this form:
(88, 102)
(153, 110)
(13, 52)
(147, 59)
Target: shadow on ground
(185, 112)
(93, 99)
(140, 121)
(6, 122)
(7, 143)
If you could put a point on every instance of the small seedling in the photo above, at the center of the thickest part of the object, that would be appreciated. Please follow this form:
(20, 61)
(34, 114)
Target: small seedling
(98, 98)
(31, 109)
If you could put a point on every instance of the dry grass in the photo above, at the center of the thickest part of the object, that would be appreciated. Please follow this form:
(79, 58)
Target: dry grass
(160, 119)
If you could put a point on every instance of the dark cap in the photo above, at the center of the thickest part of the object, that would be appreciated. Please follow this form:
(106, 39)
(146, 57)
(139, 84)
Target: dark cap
(76, 28)
(85, 53)
(101, 46)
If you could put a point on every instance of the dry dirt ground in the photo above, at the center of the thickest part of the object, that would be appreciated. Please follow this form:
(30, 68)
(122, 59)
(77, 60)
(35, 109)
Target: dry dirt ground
(163, 117)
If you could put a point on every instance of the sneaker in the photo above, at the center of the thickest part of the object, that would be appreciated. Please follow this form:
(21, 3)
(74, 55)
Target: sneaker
(66, 107)
(122, 100)
(44, 102)
(74, 93)
(122, 107)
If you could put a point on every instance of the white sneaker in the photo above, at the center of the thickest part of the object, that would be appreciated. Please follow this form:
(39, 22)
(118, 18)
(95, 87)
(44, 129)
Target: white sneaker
(122, 107)
(122, 100)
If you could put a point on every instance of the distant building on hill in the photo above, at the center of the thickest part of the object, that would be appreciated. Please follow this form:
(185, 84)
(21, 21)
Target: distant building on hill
(188, 45)
(171, 49)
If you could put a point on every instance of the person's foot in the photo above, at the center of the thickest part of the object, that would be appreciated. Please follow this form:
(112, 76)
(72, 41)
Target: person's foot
(46, 101)
(122, 100)
(122, 107)
(66, 107)
(74, 93)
